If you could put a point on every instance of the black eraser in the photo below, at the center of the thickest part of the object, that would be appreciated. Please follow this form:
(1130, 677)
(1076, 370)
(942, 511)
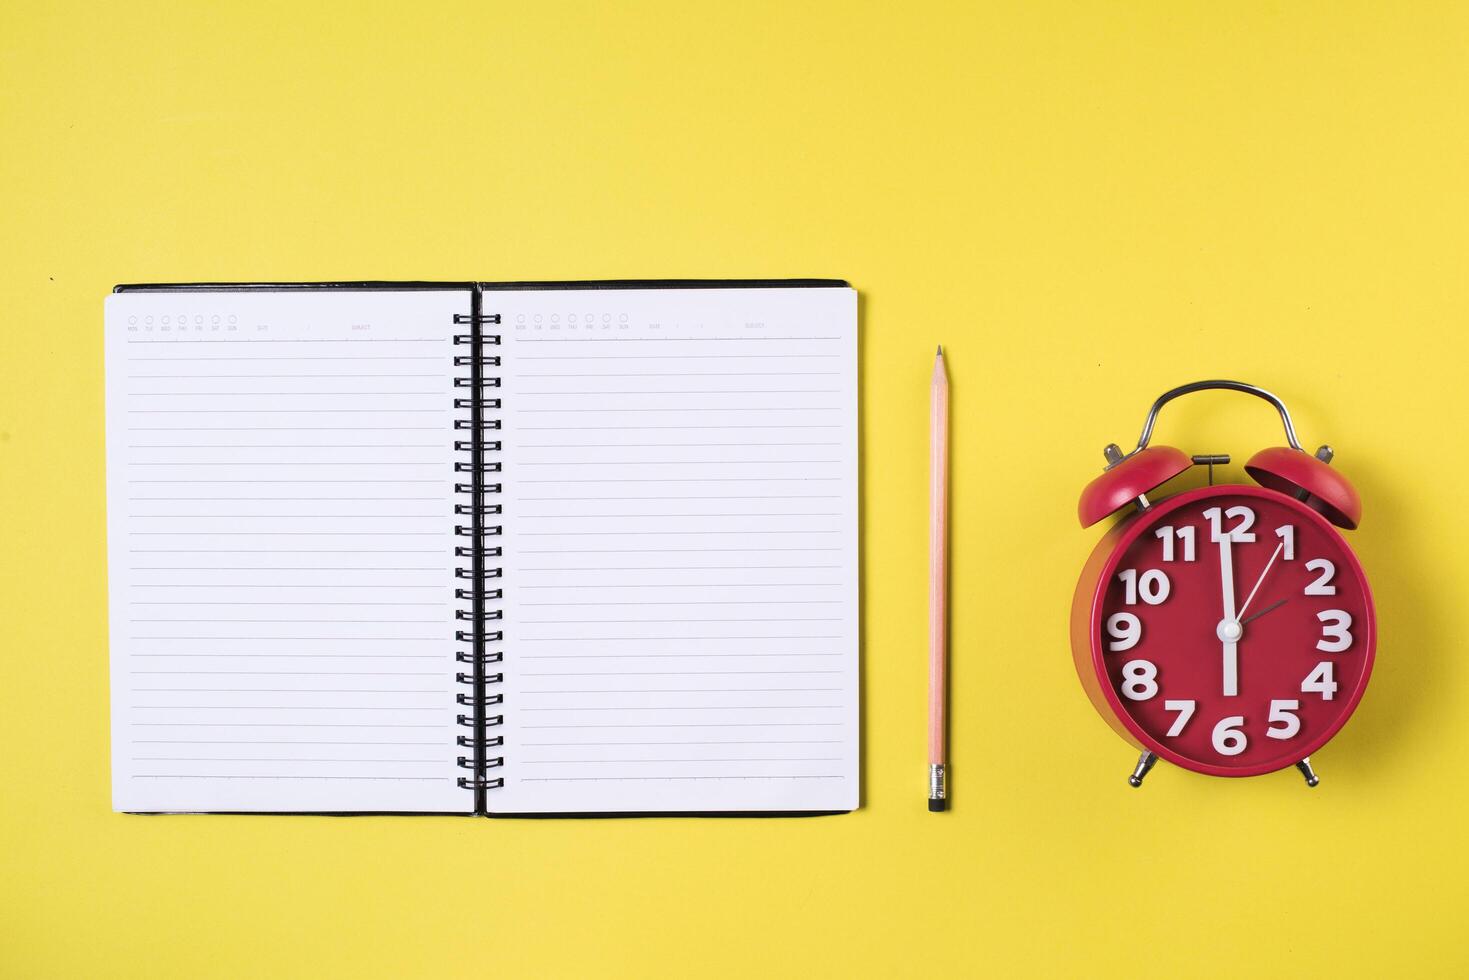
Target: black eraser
(937, 806)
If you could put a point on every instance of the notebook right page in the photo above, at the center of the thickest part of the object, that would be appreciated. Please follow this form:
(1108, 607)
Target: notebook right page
(680, 560)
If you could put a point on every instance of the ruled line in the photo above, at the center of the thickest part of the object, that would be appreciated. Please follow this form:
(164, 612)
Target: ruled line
(681, 409)
(288, 759)
(661, 568)
(649, 340)
(699, 708)
(291, 358)
(273, 394)
(615, 779)
(701, 479)
(685, 690)
(672, 656)
(671, 585)
(737, 724)
(604, 639)
(623, 551)
(280, 707)
(257, 741)
(693, 532)
(294, 340)
(661, 357)
(664, 515)
(292, 673)
(639, 392)
(783, 741)
(688, 374)
(678, 673)
(301, 657)
(609, 622)
(623, 762)
(702, 444)
(187, 775)
(261, 377)
(608, 497)
(292, 587)
(279, 724)
(286, 690)
(652, 428)
(642, 462)
(669, 602)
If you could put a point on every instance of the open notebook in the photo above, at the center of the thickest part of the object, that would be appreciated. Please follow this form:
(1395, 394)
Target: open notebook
(484, 548)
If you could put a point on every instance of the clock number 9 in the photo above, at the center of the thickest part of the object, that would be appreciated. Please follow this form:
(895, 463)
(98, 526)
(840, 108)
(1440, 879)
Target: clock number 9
(1125, 629)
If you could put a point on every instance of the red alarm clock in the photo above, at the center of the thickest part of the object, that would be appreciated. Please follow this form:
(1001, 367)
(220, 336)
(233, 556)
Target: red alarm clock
(1228, 629)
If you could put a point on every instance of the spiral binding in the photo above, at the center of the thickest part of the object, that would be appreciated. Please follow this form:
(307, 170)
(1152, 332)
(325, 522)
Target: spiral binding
(478, 618)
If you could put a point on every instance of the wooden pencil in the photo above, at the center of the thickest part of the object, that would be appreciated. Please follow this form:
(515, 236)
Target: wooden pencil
(938, 587)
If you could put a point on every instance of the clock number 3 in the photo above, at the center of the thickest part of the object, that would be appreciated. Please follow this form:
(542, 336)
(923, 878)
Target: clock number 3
(1336, 630)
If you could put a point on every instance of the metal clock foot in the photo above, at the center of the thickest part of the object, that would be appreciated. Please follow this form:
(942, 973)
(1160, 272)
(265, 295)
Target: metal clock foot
(1305, 767)
(1144, 766)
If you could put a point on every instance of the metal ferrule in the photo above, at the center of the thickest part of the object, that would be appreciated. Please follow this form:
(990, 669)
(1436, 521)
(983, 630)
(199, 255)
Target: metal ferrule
(938, 786)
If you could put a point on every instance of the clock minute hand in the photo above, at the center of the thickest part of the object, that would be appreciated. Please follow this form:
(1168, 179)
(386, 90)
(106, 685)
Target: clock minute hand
(1260, 581)
(1228, 629)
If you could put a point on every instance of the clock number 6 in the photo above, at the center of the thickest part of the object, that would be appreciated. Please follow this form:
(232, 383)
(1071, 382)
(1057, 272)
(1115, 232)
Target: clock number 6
(1228, 737)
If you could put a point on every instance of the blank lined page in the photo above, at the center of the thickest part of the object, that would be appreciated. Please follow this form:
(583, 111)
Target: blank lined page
(680, 516)
(280, 542)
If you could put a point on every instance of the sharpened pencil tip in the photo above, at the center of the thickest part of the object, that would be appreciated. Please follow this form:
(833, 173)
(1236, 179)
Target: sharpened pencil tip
(941, 350)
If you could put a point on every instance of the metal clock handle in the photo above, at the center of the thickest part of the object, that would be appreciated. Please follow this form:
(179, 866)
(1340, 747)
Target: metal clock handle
(1168, 396)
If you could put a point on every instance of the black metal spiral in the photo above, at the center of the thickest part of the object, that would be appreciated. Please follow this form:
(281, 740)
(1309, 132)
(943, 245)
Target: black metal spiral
(480, 613)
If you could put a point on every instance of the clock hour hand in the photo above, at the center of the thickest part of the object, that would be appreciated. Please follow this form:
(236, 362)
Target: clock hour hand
(1272, 606)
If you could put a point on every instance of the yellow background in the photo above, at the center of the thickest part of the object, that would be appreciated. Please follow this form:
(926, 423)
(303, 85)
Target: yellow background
(1086, 203)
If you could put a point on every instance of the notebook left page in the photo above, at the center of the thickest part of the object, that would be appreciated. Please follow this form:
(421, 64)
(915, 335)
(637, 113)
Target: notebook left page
(280, 521)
